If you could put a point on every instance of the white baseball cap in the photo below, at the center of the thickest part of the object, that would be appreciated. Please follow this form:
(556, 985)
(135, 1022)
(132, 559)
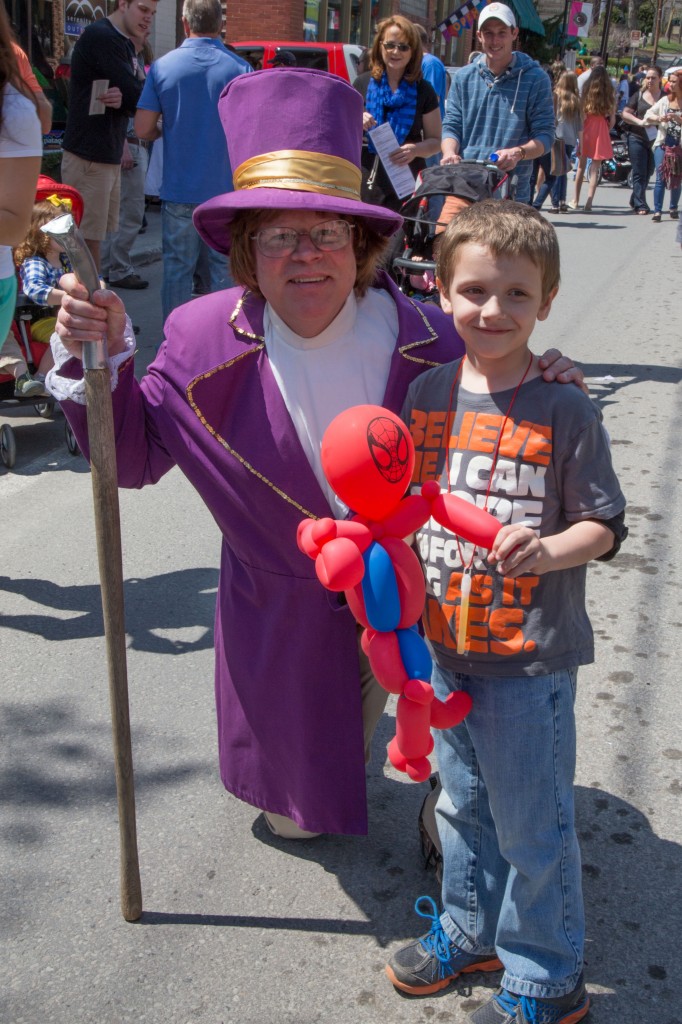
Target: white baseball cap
(499, 11)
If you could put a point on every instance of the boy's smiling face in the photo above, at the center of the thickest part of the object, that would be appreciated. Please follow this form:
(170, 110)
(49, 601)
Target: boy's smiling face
(495, 302)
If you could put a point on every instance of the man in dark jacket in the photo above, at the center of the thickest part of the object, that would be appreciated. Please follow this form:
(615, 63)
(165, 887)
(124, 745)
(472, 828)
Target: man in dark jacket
(106, 83)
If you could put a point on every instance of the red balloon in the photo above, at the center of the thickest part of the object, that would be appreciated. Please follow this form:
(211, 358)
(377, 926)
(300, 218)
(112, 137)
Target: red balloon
(368, 458)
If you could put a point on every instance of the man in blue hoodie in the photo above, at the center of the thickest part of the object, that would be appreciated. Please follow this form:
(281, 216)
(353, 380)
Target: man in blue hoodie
(501, 103)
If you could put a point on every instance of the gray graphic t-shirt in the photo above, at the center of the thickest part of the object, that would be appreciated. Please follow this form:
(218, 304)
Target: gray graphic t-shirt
(553, 469)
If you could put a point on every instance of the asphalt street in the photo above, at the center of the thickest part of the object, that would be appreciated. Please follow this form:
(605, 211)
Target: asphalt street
(244, 928)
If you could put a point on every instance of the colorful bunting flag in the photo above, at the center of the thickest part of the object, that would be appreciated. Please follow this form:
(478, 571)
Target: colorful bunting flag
(461, 18)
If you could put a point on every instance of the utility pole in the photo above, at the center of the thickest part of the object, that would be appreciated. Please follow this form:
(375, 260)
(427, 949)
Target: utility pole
(604, 48)
(657, 30)
(563, 29)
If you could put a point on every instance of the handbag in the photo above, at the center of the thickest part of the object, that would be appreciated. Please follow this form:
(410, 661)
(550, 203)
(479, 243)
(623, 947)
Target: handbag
(671, 169)
(559, 166)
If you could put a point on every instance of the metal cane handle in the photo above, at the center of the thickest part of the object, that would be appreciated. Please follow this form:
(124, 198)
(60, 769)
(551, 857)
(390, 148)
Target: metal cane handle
(66, 232)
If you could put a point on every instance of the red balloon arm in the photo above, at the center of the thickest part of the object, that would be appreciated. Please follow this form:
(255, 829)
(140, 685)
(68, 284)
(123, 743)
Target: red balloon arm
(313, 534)
(412, 512)
(466, 520)
(337, 547)
(340, 565)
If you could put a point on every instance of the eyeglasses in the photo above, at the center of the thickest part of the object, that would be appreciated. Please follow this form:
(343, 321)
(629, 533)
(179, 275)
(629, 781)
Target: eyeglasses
(328, 236)
(401, 47)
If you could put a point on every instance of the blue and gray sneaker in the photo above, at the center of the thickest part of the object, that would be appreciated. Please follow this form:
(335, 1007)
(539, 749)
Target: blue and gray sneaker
(507, 1008)
(433, 962)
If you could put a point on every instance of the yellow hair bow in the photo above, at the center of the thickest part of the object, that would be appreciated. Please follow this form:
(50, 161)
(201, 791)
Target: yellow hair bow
(59, 201)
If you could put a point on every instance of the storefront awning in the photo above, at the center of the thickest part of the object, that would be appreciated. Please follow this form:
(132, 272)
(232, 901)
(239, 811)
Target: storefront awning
(527, 16)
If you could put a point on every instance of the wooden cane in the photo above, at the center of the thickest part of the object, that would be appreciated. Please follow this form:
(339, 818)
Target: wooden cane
(108, 531)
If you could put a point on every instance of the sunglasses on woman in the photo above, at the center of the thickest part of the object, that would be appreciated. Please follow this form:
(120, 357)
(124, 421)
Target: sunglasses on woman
(401, 47)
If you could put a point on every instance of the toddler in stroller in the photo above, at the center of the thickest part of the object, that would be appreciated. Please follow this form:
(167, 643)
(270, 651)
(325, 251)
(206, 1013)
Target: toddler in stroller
(25, 355)
(440, 194)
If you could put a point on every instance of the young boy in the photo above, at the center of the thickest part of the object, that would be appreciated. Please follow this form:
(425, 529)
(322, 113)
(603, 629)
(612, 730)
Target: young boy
(509, 626)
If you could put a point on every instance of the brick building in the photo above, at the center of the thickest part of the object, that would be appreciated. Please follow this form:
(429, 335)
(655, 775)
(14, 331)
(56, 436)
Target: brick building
(50, 27)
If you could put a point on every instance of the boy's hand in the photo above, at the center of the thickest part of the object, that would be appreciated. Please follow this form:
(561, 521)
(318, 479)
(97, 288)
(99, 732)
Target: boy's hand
(517, 550)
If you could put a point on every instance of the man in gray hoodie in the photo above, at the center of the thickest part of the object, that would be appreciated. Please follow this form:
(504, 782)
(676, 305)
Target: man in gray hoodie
(501, 103)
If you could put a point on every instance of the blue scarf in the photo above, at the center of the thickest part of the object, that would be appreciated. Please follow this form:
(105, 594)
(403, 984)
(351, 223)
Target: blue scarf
(398, 108)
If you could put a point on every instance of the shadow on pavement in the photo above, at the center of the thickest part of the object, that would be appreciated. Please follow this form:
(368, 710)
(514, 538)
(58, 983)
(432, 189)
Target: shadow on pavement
(176, 601)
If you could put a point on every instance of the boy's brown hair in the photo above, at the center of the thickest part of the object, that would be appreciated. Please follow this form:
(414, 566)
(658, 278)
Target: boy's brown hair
(507, 229)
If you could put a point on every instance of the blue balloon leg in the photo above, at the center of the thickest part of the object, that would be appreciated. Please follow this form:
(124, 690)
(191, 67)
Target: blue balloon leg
(380, 589)
(415, 654)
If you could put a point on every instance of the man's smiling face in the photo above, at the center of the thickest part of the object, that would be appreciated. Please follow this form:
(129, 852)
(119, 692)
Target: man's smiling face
(497, 42)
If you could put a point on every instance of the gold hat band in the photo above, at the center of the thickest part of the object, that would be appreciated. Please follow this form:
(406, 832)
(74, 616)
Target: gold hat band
(300, 171)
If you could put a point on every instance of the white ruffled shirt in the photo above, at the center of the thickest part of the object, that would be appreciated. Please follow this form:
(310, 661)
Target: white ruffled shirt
(63, 388)
(347, 364)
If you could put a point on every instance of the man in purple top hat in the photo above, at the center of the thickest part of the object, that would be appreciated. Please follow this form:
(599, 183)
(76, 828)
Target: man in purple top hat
(241, 391)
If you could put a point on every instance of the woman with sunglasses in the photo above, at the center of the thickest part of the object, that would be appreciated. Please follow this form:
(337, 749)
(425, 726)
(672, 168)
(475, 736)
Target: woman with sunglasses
(239, 396)
(395, 92)
(666, 114)
(641, 136)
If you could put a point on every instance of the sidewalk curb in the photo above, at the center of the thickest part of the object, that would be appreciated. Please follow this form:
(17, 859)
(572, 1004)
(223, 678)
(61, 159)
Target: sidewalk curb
(143, 257)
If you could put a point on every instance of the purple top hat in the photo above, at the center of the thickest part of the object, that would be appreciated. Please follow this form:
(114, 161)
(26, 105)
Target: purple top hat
(294, 140)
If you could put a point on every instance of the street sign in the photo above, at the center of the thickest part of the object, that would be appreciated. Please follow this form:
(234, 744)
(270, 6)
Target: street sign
(635, 37)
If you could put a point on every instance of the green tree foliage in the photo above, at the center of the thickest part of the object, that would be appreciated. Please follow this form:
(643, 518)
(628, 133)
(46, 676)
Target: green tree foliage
(646, 16)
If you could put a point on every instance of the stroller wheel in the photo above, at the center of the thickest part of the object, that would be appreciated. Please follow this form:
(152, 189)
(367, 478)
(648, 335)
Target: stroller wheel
(71, 442)
(8, 446)
(45, 408)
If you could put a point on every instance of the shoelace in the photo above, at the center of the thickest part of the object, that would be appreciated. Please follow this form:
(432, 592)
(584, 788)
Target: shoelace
(436, 941)
(532, 1009)
(535, 1011)
(508, 1002)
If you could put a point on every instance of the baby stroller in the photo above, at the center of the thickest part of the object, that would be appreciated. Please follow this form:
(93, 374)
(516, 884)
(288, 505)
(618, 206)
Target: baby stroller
(440, 193)
(25, 314)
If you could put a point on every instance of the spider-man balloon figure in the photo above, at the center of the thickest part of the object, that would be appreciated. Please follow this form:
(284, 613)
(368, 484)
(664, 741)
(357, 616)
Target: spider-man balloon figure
(368, 459)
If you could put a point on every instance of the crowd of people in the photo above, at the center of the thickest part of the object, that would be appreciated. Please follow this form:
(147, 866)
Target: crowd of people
(648, 116)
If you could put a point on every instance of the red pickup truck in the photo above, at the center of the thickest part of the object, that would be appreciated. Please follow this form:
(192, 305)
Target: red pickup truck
(339, 58)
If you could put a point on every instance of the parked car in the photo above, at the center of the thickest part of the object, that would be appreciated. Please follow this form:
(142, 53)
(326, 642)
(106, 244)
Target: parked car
(339, 58)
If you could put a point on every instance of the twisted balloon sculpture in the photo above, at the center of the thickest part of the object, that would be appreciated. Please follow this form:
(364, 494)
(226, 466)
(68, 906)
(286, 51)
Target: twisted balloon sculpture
(368, 459)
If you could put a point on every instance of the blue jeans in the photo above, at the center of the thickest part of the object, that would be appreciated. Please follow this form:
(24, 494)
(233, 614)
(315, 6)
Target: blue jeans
(545, 162)
(511, 861)
(181, 248)
(642, 167)
(659, 187)
(560, 182)
(524, 172)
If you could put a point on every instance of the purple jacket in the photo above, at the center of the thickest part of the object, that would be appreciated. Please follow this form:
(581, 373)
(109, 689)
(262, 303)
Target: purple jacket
(287, 678)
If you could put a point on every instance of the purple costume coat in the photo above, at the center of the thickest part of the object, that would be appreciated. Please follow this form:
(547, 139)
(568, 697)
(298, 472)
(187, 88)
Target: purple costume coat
(287, 678)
